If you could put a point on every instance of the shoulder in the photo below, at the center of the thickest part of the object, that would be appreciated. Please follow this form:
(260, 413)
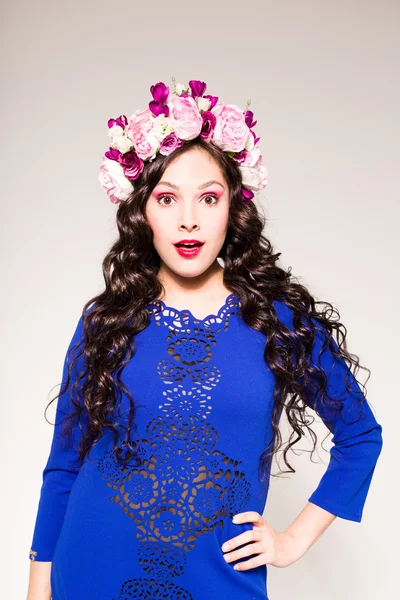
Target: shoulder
(79, 332)
(305, 324)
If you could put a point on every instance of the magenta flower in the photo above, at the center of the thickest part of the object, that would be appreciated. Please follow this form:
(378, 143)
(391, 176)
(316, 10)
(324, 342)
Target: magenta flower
(212, 99)
(198, 87)
(170, 143)
(209, 122)
(240, 156)
(247, 195)
(132, 164)
(248, 117)
(113, 154)
(160, 93)
(121, 122)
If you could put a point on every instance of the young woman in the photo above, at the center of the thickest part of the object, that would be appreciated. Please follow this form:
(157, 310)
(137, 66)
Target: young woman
(177, 375)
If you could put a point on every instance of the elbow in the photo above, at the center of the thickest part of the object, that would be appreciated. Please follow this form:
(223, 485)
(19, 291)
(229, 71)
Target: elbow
(378, 440)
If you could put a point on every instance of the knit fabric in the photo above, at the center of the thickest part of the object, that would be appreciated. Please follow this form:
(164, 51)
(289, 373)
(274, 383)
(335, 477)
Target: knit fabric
(204, 402)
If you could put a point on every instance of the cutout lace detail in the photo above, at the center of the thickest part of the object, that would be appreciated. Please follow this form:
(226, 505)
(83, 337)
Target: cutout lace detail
(185, 484)
(184, 318)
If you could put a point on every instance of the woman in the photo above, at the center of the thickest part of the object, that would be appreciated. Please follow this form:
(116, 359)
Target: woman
(177, 375)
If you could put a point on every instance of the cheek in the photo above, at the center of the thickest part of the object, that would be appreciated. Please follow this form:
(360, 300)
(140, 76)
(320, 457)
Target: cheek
(158, 223)
(217, 227)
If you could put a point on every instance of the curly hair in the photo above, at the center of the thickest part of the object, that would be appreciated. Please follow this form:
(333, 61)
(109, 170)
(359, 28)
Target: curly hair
(113, 318)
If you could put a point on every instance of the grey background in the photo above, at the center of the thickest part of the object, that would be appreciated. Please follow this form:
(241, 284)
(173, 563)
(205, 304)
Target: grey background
(323, 79)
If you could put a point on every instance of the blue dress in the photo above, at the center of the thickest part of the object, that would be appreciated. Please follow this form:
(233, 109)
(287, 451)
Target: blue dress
(204, 397)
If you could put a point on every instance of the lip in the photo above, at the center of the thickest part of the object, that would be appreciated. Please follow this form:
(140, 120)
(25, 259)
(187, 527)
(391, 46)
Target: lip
(192, 241)
(189, 252)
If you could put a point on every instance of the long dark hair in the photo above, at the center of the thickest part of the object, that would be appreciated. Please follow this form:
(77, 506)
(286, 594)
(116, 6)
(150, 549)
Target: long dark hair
(113, 318)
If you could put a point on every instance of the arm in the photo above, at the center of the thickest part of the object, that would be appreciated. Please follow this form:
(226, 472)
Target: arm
(357, 443)
(343, 488)
(39, 581)
(58, 478)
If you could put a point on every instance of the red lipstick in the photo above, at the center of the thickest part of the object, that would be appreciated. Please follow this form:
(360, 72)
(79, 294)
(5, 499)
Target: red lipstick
(188, 248)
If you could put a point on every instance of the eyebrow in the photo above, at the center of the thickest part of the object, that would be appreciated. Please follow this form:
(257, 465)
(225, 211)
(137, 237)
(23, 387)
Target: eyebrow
(201, 187)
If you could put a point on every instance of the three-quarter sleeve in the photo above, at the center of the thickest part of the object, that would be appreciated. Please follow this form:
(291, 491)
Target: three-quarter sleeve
(62, 465)
(357, 436)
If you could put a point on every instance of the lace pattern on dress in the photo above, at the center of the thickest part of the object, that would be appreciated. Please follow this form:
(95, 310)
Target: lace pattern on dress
(185, 484)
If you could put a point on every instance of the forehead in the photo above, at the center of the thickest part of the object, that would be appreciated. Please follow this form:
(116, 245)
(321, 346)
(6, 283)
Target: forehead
(192, 168)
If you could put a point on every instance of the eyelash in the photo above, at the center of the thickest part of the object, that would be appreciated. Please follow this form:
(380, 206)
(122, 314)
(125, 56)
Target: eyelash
(206, 196)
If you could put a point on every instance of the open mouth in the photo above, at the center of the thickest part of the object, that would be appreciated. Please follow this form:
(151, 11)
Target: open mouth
(187, 245)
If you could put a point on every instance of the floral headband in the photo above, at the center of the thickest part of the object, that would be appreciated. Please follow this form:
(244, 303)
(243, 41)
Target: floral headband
(171, 119)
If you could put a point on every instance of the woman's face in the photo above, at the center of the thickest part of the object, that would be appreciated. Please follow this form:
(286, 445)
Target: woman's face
(190, 202)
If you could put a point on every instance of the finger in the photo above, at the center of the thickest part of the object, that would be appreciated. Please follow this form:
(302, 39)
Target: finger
(250, 516)
(251, 535)
(256, 548)
(257, 561)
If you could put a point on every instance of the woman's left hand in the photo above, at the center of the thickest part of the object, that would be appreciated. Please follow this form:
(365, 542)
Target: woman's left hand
(277, 548)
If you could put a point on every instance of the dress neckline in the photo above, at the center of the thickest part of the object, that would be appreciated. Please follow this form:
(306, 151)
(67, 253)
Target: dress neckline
(184, 314)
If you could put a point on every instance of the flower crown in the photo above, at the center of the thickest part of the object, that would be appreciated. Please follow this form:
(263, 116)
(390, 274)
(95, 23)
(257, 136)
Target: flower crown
(171, 119)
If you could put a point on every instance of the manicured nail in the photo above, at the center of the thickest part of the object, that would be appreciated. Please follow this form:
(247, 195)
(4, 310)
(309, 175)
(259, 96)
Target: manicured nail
(235, 519)
(225, 547)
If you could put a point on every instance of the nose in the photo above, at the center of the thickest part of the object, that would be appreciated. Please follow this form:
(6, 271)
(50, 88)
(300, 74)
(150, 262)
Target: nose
(188, 219)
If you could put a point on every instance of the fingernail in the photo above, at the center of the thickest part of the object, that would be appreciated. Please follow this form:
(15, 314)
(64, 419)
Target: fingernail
(225, 547)
(235, 519)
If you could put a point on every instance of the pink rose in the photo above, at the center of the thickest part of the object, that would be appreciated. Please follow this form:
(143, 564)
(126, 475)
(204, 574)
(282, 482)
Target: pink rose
(132, 165)
(248, 159)
(114, 182)
(231, 131)
(140, 130)
(170, 143)
(209, 121)
(186, 118)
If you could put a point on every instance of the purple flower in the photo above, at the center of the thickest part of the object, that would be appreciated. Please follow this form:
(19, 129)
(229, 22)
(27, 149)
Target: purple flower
(240, 156)
(213, 100)
(248, 117)
(247, 195)
(170, 143)
(132, 164)
(113, 154)
(121, 122)
(198, 87)
(160, 93)
(209, 122)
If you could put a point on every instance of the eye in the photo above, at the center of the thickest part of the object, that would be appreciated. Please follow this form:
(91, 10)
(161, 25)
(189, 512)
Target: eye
(214, 196)
(160, 198)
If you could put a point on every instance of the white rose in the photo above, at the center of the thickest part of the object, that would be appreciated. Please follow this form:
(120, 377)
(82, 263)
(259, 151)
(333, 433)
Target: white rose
(115, 131)
(180, 88)
(113, 180)
(121, 143)
(203, 103)
(162, 127)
